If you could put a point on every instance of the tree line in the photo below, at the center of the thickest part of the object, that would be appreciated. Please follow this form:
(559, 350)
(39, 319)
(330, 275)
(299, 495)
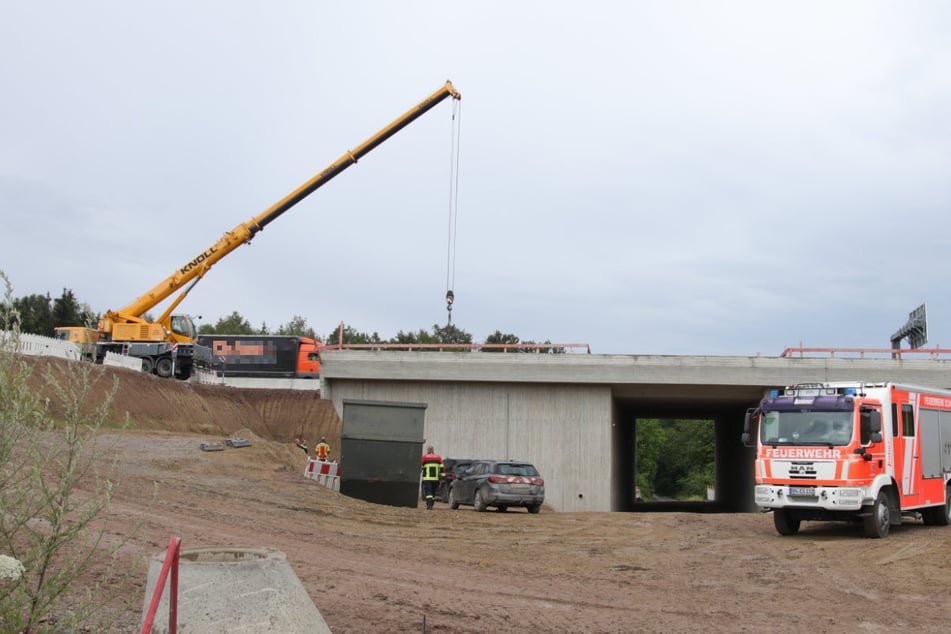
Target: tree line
(675, 458)
(41, 315)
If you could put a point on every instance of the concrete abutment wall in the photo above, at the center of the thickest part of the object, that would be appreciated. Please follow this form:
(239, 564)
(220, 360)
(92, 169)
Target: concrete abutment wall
(553, 427)
(580, 437)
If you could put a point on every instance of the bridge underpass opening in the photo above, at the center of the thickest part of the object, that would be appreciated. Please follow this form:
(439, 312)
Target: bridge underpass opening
(717, 413)
(674, 461)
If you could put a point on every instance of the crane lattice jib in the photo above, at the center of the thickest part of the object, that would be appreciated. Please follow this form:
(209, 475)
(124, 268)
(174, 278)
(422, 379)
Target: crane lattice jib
(196, 268)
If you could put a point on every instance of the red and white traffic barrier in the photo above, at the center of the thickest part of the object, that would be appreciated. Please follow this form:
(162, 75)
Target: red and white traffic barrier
(326, 473)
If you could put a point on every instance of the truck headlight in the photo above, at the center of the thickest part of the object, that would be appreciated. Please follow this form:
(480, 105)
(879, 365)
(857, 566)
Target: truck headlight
(850, 494)
(762, 495)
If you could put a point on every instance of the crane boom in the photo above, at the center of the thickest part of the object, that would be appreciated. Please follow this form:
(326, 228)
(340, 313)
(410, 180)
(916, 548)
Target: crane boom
(171, 339)
(245, 232)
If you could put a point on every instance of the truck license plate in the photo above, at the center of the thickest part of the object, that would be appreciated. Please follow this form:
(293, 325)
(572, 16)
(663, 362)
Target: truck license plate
(802, 491)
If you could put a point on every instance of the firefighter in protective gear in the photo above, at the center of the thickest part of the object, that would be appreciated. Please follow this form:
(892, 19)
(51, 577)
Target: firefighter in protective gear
(322, 449)
(433, 470)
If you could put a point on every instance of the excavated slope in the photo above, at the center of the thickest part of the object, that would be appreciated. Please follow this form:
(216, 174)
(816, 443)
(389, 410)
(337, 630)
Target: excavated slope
(169, 405)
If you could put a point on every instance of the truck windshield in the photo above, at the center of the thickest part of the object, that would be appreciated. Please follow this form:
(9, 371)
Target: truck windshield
(806, 428)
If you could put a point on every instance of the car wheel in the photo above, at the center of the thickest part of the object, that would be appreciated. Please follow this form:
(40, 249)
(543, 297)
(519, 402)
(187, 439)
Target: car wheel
(479, 501)
(877, 522)
(534, 508)
(501, 509)
(453, 502)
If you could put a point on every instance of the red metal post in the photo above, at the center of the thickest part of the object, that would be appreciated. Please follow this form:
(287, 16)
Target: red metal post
(173, 591)
(170, 563)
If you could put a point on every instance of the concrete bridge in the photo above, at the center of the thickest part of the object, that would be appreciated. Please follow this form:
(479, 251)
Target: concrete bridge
(575, 415)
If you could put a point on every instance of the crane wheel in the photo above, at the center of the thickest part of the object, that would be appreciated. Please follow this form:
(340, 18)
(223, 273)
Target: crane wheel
(163, 367)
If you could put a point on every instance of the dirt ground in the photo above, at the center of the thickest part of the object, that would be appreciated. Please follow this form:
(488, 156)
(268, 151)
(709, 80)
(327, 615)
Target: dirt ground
(373, 568)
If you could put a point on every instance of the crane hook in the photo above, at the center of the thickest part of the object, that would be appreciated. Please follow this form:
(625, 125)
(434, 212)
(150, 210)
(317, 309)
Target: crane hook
(450, 297)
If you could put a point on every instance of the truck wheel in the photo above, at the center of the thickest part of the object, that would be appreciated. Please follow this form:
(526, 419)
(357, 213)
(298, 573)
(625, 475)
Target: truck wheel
(147, 365)
(945, 518)
(877, 522)
(784, 523)
(939, 515)
(163, 367)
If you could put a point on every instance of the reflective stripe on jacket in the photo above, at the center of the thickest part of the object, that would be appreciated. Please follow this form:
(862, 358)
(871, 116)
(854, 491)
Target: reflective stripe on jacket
(432, 466)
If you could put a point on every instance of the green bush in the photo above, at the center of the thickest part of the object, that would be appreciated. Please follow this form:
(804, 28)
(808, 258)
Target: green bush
(48, 524)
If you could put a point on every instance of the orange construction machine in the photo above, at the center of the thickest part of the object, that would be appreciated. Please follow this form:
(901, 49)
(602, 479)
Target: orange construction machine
(264, 356)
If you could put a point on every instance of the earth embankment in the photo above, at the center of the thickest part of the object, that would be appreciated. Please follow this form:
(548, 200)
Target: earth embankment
(152, 403)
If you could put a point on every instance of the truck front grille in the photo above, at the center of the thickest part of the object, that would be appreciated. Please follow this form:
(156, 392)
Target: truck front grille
(802, 471)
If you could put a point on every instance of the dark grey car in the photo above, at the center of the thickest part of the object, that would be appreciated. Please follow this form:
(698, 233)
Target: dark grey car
(454, 467)
(498, 483)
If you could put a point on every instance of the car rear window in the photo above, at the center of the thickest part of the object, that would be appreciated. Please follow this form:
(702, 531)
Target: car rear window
(516, 469)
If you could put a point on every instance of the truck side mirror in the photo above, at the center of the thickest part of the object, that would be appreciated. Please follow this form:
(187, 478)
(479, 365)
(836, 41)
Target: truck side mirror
(875, 426)
(750, 420)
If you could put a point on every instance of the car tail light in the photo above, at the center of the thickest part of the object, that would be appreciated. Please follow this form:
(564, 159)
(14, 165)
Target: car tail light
(496, 479)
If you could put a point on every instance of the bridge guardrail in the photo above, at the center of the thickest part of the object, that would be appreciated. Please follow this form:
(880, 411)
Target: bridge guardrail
(865, 353)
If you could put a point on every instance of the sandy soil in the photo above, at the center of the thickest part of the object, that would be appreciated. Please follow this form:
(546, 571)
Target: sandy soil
(373, 568)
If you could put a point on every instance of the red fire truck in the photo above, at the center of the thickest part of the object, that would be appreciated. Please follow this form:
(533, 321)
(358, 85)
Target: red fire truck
(866, 452)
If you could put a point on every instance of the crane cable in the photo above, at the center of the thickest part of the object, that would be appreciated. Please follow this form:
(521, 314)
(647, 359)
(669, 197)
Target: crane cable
(453, 205)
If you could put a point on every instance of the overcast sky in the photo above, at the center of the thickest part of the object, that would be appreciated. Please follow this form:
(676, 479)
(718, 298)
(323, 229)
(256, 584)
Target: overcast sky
(648, 178)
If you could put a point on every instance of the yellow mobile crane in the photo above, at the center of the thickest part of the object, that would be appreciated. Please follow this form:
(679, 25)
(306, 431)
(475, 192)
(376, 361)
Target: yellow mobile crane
(168, 345)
